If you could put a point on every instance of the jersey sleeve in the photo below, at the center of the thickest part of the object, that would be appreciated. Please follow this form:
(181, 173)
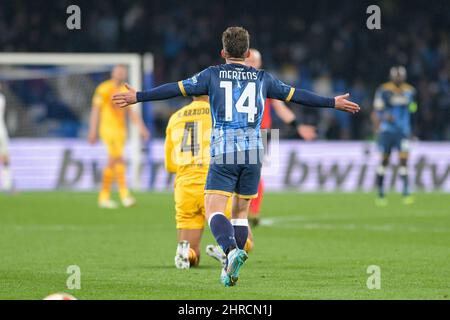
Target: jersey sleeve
(169, 163)
(276, 89)
(197, 85)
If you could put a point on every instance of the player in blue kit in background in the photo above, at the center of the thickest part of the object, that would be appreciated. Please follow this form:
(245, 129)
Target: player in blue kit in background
(237, 96)
(394, 103)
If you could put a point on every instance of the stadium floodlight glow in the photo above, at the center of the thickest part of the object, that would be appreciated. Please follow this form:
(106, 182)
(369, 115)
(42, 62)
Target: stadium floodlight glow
(82, 62)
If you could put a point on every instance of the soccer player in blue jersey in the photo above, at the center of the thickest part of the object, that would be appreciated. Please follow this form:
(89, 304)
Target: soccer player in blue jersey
(237, 96)
(394, 103)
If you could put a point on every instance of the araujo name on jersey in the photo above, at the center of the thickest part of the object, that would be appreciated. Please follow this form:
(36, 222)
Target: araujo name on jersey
(238, 75)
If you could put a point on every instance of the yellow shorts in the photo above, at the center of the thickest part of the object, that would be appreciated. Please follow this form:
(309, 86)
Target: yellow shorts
(114, 145)
(190, 207)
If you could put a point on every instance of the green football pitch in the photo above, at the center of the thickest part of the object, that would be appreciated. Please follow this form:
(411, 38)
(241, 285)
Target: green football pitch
(310, 246)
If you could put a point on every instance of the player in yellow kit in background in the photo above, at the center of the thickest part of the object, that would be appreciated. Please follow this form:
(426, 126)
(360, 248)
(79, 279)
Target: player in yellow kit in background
(187, 155)
(109, 123)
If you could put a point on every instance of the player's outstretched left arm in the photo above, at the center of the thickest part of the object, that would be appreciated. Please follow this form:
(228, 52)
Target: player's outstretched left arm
(311, 99)
(279, 90)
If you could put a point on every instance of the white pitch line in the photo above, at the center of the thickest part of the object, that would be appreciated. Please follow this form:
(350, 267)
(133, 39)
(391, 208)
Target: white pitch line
(301, 222)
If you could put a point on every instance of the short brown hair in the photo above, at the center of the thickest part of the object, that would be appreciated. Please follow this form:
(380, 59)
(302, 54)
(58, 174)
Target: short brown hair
(236, 41)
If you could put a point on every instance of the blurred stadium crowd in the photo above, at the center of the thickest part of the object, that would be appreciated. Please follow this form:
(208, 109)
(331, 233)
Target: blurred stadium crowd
(320, 45)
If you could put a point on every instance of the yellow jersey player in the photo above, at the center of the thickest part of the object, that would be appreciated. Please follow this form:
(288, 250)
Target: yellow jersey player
(187, 148)
(109, 123)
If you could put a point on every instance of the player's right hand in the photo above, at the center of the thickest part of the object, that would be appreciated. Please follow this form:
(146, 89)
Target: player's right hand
(124, 99)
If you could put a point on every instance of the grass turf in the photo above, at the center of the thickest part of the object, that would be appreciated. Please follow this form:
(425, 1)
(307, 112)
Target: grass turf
(311, 246)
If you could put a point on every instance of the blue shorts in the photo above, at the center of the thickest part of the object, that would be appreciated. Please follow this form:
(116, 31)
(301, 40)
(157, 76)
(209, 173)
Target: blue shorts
(389, 141)
(228, 179)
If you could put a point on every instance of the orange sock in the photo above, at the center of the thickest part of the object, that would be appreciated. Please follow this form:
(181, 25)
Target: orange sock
(248, 246)
(107, 180)
(122, 180)
(193, 259)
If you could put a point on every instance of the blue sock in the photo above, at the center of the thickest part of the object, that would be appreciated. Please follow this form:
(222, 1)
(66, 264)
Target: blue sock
(223, 231)
(240, 231)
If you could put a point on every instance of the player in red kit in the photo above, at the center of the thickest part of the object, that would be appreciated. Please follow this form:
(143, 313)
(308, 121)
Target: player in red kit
(287, 116)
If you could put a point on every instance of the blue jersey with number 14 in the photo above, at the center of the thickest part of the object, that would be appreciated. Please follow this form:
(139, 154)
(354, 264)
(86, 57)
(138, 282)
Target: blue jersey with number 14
(237, 95)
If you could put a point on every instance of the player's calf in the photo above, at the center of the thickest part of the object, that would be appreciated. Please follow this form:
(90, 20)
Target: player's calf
(220, 226)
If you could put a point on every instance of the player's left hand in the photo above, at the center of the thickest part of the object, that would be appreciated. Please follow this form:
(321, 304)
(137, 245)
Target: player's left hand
(307, 132)
(342, 103)
(124, 99)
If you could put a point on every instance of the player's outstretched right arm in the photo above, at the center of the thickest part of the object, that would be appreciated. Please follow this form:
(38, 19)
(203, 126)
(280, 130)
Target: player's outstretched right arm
(166, 91)
(195, 86)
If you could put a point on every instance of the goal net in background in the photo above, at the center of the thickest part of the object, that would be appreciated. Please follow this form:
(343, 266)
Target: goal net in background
(48, 107)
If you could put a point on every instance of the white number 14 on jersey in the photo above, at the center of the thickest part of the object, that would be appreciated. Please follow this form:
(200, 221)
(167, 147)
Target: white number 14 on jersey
(248, 95)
